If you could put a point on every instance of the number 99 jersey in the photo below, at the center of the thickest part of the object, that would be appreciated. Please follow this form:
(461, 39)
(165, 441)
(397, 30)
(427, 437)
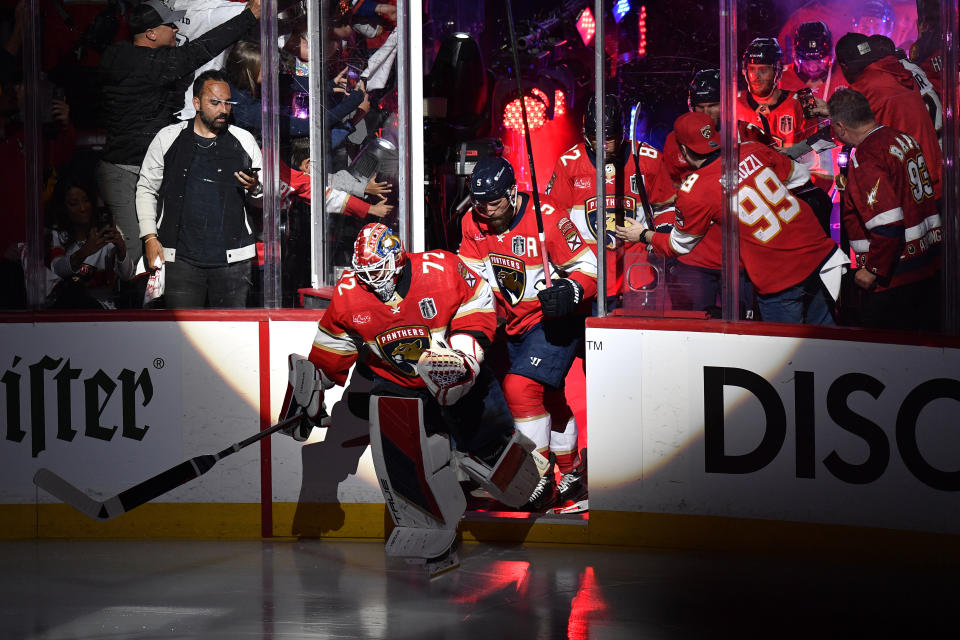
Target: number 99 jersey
(436, 296)
(781, 242)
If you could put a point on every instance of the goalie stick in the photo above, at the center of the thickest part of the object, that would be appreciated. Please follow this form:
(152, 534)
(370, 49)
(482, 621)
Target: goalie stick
(150, 488)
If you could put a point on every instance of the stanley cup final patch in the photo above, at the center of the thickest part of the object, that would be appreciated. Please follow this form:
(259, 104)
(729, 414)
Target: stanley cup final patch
(519, 246)
(786, 124)
(428, 309)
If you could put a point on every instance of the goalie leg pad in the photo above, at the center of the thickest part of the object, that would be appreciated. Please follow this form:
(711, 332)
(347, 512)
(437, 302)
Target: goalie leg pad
(515, 474)
(416, 474)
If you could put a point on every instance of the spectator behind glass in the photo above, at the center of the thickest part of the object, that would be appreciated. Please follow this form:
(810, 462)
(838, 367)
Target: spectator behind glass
(243, 70)
(143, 83)
(87, 253)
(58, 144)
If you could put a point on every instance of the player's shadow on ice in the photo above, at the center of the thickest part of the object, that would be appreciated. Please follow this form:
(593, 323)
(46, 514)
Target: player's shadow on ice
(327, 464)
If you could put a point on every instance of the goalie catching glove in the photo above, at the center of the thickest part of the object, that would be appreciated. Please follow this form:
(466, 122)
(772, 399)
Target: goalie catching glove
(450, 373)
(561, 299)
(305, 387)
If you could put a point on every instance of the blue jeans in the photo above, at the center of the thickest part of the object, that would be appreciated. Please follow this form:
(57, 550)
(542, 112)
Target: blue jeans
(191, 287)
(804, 303)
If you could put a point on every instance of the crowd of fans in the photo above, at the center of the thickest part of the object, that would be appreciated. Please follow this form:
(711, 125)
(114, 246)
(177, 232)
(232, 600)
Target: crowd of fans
(119, 75)
(127, 71)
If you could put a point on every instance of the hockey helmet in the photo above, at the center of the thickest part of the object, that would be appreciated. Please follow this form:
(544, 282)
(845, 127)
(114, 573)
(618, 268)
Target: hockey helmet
(613, 124)
(812, 41)
(378, 259)
(764, 51)
(876, 16)
(705, 87)
(492, 179)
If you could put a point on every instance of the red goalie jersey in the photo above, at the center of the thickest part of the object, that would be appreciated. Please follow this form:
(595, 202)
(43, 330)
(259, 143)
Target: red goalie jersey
(437, 296)
(512, 262)
(573, 187)
(781, 242)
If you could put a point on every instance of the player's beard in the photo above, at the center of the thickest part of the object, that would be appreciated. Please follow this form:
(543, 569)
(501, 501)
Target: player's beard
(762, 90)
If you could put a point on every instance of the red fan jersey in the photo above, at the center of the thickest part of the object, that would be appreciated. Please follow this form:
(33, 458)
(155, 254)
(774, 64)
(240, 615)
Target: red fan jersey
(573, 187)
(783, 121)
(781, 242)
(512, 264)
(437, 296)
(896, 102)
(889, 211)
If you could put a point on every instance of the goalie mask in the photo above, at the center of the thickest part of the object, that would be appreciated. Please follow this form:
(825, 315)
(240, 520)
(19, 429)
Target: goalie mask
(613, 124)
(378, 259)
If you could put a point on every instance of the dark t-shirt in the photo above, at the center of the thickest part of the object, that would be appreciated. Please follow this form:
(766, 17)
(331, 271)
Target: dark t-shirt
(201, 237)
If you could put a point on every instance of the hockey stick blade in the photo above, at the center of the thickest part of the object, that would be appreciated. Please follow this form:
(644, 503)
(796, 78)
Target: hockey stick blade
(149, 489)
(68, 494)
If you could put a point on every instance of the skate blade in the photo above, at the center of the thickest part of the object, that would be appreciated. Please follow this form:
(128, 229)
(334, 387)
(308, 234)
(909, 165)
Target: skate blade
(576, 507)
(442, 566)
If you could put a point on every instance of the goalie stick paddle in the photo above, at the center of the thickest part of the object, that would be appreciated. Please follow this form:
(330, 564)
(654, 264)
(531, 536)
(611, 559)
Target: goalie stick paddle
(526, 133)
(150, 488)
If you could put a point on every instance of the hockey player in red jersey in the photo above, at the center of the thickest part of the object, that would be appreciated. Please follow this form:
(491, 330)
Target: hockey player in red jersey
(573, 187)
(694, 281)
(544, 325)
(765, 103)
(891, 218)
(813, 66)
(893, 95)
(786, 253)
(418, 324)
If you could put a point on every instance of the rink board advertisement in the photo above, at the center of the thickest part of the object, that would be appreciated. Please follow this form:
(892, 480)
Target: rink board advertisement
(107, 405)
(778, 428)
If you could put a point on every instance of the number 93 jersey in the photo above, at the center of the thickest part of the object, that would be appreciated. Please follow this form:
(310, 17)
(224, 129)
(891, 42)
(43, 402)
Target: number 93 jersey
(436, 296)
(781, 242)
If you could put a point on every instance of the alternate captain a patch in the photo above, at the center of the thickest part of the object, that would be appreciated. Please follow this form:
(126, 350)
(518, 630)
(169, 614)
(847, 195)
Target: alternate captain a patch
(511, 275)
(402, 346)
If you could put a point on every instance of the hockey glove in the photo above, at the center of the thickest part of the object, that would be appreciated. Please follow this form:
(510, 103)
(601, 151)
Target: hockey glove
(304, 395)
(561, 299)
(449, 374)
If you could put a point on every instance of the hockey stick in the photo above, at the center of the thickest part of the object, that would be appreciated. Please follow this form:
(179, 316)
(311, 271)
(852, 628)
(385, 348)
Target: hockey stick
(526, 133)
(148, 489)
(641, 187)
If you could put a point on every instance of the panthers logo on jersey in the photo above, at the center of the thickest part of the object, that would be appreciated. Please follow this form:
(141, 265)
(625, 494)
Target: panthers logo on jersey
(402, 346)
(610, 217)
(511, 277)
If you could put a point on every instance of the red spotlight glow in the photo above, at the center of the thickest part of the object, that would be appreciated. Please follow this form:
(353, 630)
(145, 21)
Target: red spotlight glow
(536, 113)
(586, 26)
(559, 103)
(642, 27)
